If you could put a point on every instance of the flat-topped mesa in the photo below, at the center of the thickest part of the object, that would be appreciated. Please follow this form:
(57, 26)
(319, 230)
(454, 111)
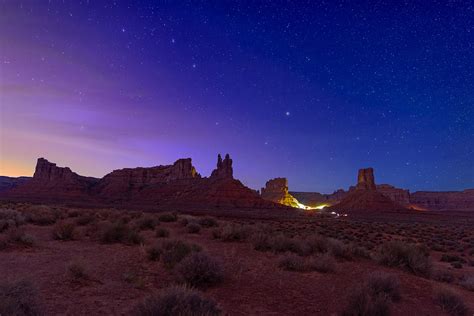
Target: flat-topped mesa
(365, 180)
(224, 168)
(276, 190)
(48, 171)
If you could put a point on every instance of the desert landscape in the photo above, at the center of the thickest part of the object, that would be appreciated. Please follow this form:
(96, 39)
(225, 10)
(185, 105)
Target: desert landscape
(237, 253)
(198, 158)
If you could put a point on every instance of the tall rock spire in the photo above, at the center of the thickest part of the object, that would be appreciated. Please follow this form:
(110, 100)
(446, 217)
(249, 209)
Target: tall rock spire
(224, 168)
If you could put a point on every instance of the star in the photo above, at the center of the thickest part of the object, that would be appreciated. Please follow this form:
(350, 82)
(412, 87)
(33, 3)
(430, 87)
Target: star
(287, 113)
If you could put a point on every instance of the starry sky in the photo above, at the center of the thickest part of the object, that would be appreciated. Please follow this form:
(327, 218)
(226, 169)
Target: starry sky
(311, 91)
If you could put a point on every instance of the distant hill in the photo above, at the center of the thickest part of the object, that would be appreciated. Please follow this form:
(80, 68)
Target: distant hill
(7, 183)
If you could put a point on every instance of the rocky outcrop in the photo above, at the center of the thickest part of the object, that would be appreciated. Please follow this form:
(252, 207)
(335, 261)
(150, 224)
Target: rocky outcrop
(365, 179)
(8, 183)
(224, 168)
(457, 200)
(398, 195)
(276, 190)
(51, 182)
(365, 197)
(171, 187)
(128, 181)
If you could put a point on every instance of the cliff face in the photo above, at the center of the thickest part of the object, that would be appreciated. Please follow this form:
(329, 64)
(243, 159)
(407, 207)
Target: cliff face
(177, 185)
(52, 182)
(365, 197)
(400, 196)
(461, 200)
(276, 190)
(314, 199)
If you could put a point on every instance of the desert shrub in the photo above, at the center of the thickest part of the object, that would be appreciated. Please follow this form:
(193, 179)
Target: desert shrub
(208, 221)
(153, 253)
(193, 228)
(292, 262)
(63, 231)
(10, 218)
(168, 217)
(468, 283)
(317, 244)
(231, 233)
(443, 276)
(18, 298)
(322, 263)
(339, 249)
(363, 303)
(374, 296)
(450, 302)
(19, 237)
(261, 241)
(381, 282)
(146, 222)
(134, 279)
(77, 271)
(199, 270)
(281, 243)
(173, 251)
(120, 233)
(73, 213)
(177, 300)
(42, 216)
(406, 256)
(162, 232)
(85, 219)
(452, 258)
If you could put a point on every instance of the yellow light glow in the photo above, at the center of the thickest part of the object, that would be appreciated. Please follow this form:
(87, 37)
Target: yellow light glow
(306, 207)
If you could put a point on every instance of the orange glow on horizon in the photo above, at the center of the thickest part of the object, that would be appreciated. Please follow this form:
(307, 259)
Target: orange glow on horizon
(15, 169)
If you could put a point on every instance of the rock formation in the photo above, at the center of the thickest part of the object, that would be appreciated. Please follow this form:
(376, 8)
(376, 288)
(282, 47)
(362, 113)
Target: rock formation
(276, 190)
(365, 179)
(51, 182)
(400, 196)
(171, 187)
(224, 168)
(365, 197)
(449, 201)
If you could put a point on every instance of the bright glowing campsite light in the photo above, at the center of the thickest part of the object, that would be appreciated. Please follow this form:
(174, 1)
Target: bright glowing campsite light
(306, 207)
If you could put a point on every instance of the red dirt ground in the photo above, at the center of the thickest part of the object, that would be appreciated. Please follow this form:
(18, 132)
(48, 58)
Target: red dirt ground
(254, 284)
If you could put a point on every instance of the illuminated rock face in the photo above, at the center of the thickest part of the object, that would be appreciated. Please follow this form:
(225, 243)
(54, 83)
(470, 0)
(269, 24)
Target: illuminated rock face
(276, 190)
(365, 180)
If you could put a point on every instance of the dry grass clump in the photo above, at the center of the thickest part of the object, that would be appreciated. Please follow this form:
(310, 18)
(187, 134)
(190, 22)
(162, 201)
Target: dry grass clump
(77, 271)
(292, 262)
(16, 236)
(146, 223)
(177, 300)
(443, 276)
(232, 233)
(42, 215)
(323, 263)
(162, 232)
(468, 283)
(18, 298)
(374, 296)
(406, 256)
(120, 233)
(63, 231)
(208, 221)
(450, 302)
(153, 253)
(168, 217)
(193, 228)
(85, 219)
(199, 270)
(10, 218)
(173, 251)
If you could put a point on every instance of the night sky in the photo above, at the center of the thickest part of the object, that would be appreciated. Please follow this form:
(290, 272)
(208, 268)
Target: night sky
(308, 91)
